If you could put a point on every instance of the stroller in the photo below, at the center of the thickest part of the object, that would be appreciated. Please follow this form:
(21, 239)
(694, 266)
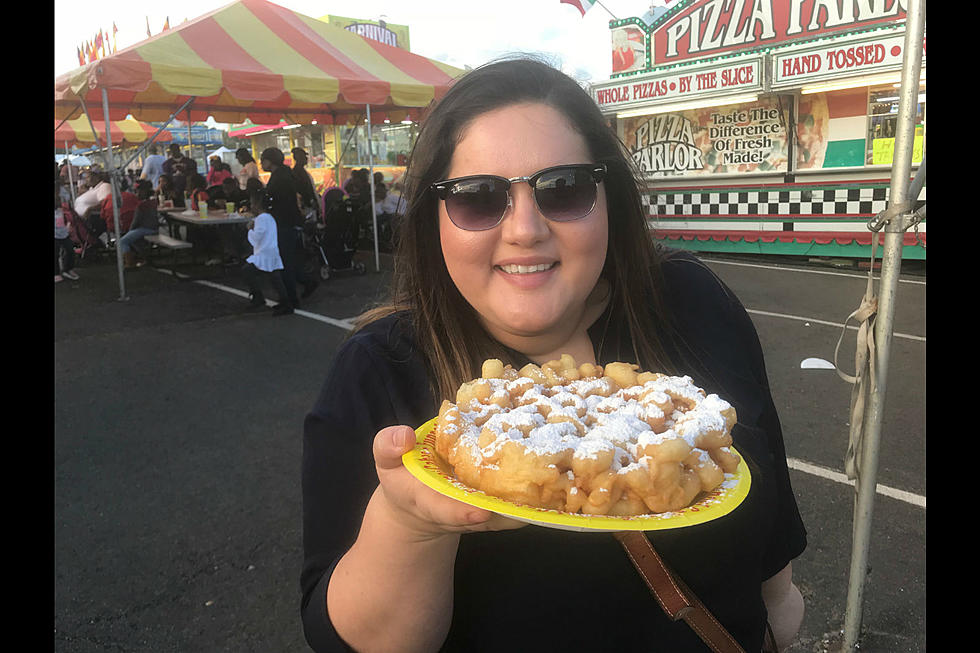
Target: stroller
(84, 233)
(330, 245)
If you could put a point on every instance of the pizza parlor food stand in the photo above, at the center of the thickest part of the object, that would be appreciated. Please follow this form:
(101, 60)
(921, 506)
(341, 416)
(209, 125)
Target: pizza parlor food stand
(764, 127)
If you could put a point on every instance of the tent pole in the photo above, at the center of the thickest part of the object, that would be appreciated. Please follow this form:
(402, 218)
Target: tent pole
(374, 215)
(115, 193)
(108, 161)
(890, 267)
(337, 154)
(71, 181)
(190, 144)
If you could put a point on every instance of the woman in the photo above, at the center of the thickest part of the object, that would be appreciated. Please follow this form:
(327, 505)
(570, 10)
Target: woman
(166, 191)
(249, 169)
(521, 283)
(146, 221)
(217, 172)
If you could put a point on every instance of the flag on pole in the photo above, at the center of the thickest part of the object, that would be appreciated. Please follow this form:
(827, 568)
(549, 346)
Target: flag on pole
(81, 56)
(166, 24)
(114, 30)
(581, 5)
(148, 35)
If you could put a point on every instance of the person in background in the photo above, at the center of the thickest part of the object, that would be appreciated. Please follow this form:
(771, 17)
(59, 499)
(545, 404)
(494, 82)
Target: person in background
(380, 188)
(264, 263)
(146, 221)
(282, 192)
(198, 192)
(91, 200)
(127, 207)
(309, 202)
(390, 212)
(207, 239)
(153, 165)
(64, 250)
(217, 172)
(252, 186)
(176, 167)
(166, 192)
(358, 186)
(557, 260)
(249, 169)
(228, 191)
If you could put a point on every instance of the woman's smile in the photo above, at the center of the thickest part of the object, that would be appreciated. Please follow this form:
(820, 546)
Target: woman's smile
(527, 277)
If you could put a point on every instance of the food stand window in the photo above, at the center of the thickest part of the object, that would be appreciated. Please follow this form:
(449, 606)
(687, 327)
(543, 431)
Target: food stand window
(883, 121)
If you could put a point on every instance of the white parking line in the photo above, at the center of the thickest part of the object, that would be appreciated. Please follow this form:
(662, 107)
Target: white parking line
(814, 320)
(343, 324)
(798, 465)
(852, 275)
(832, 475)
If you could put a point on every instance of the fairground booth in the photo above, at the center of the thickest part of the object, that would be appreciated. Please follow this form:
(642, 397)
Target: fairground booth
(335, 150)
(766, 126)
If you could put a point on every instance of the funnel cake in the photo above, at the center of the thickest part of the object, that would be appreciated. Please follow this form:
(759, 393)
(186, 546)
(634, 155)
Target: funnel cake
(588, 439)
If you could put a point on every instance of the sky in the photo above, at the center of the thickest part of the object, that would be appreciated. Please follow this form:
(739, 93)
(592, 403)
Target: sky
(458, 32)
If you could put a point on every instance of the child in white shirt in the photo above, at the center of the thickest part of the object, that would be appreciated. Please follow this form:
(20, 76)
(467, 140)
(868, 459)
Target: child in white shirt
(265, 260)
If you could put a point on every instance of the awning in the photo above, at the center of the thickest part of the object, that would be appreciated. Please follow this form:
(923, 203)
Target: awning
(79, 132)
(256, 60)
(244, 132)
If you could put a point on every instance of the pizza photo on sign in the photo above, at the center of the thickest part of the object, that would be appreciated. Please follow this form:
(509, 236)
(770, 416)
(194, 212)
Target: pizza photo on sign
(628, 49)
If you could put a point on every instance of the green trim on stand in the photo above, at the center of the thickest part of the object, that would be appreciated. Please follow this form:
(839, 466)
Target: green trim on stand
(852, 250)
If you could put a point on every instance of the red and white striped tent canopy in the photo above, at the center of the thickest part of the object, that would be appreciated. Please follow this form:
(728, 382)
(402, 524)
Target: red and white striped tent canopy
(79, 132)
(256, 60)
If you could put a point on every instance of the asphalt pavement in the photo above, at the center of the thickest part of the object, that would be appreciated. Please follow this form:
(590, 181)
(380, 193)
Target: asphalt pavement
(178, 438)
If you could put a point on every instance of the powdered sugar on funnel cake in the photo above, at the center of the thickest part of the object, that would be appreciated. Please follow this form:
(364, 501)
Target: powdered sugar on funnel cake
(587, 439)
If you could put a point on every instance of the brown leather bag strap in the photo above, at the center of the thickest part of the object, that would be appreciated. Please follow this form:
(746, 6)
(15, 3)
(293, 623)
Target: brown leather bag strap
(676, 599)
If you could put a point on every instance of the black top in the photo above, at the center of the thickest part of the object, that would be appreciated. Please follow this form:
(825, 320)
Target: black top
(146, 216)
(304, 185)
(282, 193)
(536, 588)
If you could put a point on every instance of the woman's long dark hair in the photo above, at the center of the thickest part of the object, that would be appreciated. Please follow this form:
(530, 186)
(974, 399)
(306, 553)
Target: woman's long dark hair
(449, 334)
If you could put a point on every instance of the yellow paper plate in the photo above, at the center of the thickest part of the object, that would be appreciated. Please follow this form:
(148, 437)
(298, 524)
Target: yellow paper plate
(426, 466)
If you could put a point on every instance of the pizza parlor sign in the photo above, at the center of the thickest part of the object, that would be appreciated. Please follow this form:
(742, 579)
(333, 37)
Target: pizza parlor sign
(710, 140)
(708, 28)
(736, 75)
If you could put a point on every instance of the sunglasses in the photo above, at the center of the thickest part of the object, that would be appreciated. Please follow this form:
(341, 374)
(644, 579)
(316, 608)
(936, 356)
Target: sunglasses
(561, 193)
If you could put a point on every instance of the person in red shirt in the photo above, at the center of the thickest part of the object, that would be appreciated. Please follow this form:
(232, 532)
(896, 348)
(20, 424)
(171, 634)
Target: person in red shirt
(127, 207)
(199, 193)
(145, 221)
(218, 172)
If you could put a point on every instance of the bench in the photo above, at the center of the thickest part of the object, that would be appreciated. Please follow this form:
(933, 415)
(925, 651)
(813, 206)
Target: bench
(168, 242)
(163, 240)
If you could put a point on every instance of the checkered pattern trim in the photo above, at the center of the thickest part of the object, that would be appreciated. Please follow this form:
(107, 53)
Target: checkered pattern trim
(864, 202)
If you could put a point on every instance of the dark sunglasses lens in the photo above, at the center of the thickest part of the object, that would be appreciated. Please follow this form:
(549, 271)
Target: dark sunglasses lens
(565, 194)
(476, 204)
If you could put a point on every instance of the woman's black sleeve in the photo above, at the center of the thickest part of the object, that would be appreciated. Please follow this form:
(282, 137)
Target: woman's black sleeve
(338, 477)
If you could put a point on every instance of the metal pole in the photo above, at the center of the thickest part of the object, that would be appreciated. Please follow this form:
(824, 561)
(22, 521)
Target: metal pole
(190, 145)
(374, 216)
(890, 268)
(115, 194)
(71, 180)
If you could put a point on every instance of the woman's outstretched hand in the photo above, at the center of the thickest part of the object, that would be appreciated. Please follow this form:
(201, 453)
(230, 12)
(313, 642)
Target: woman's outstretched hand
(415, 505)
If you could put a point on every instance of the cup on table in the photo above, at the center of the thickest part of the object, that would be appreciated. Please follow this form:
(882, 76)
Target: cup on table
(229, 207)
(203, 208)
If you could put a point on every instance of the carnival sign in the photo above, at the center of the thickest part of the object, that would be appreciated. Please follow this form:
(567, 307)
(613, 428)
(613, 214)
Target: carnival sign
(733, 76)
